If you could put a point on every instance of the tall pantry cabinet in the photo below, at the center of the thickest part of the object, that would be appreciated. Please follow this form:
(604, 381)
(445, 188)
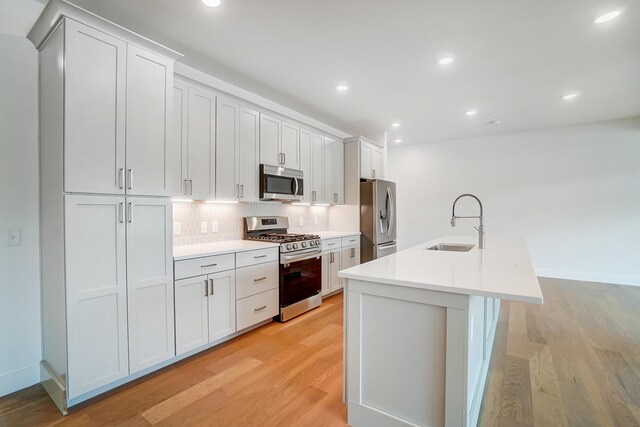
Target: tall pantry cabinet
(106, 243)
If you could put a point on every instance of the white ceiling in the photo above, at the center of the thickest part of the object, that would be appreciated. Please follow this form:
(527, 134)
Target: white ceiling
(514, 58)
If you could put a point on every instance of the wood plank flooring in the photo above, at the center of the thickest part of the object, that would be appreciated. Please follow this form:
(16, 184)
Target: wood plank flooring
(574, 361)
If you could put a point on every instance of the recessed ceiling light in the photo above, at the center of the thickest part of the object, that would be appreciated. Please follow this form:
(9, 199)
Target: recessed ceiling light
(212, 3)
(607, 17)
(570, 96)
(471, 112)
(395, 124)
(446, 60)
(398, 141)
(342, 88)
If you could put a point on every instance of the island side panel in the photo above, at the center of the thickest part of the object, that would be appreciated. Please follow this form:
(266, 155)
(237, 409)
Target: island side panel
(403, 348)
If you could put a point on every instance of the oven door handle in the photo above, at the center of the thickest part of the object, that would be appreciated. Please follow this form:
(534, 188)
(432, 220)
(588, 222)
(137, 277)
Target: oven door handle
(300, 256)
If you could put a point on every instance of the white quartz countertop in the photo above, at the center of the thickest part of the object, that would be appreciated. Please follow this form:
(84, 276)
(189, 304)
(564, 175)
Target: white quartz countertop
(217, 248)
(335, 234)
(503, 269)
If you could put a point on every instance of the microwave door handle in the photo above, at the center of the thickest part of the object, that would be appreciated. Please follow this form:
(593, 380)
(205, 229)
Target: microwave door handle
(390, 211)
(295, 191)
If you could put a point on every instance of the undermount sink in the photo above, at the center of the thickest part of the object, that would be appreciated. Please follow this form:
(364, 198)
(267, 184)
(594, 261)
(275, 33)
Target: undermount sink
(451, 247)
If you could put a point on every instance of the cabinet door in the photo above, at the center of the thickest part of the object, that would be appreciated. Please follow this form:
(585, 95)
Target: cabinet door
(96, 292)
(326, 287)
(349, 257)
(178, 140)
(290, 145)
(306, 165)
(270, 140)
(248, 160)
(317, 159)
(334, 268)
(222, 304)
(377, 163)
(149, 282)
(328, 170)
(338, 173)
(149, 103)
(366, 171)
(94, 137)
(227, 187)
(192, 319)
(201, 143)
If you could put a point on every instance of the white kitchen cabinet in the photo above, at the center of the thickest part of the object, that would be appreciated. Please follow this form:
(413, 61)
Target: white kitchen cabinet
(338, 173)
(178, 140)
(279, 142)
(330, 268)
(227, 114)
(317, 168)
(349, 257)
(205, 309)
(236, 151)
(96, 292)
(149, 103)
(371, 161)
(94, 110)
(328, 195)
(306, 165)
(201, 143)
(149, 282)
(191, 309)
(257, 308)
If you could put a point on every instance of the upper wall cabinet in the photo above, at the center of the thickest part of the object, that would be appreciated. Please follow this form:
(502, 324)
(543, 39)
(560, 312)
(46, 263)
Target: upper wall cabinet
(333, 171)
(371, 161)
(279, 142)
(117, 100)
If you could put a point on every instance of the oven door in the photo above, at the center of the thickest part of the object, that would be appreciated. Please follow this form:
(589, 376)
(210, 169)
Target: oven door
(278, 183)
(300, 280)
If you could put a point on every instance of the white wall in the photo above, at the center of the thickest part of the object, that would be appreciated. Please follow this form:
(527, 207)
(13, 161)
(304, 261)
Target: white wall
(573, 193)
(19, 265)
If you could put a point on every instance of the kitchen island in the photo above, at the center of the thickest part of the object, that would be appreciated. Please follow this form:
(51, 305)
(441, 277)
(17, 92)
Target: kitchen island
(420, 325)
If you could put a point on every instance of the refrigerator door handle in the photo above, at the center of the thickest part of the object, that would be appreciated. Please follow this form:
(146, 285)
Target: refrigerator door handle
(390, 211)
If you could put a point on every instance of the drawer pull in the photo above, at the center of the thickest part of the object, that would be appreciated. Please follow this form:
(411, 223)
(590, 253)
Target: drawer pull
(261, 308)
(330, 244)
(259, 256)
(208, 265)
(260, 279)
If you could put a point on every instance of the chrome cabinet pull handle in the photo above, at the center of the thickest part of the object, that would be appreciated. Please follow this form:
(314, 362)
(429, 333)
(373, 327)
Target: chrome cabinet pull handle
(260, 279)
(330, 244)
(208, 265)
(261, 308)
(121, 178)
(186, 187)
(373, 173)
(130, 213)
(242, 191)
(206, 288)
(212, 289)
(121, 212)
(259, 256)
(130, 179)
(284, 158)
(191, 187)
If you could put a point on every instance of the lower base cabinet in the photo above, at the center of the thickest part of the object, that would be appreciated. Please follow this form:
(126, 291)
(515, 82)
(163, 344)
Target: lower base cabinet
(349, 257)
(257, 308)
(205, 309)
(330, 268)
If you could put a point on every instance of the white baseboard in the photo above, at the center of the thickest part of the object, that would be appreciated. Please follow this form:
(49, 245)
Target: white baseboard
(17, 380)
(613, 279)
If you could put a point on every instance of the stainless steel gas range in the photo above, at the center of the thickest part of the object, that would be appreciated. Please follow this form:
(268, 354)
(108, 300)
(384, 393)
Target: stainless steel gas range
(300, 264)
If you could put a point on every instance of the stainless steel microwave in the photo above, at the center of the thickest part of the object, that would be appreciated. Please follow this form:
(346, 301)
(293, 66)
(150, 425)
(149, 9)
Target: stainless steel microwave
(278, 183)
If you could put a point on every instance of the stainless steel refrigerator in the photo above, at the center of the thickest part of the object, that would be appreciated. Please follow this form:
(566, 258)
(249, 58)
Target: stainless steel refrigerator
(377, 219)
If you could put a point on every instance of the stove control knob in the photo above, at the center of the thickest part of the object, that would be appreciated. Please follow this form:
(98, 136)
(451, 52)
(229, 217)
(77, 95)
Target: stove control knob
(295, 246)
(288, 247)
(303, 244)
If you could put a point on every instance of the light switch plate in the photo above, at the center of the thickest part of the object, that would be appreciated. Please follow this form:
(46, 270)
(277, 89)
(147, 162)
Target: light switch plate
(177, 228)
(14, 237)
(203, 227)
(214, 226)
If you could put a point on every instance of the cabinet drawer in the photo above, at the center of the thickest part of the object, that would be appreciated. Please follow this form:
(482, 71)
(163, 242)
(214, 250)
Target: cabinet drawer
(350, 241)
(331, 244)
(259, 256)
(256, 279)
(205, 265)
(256, 308)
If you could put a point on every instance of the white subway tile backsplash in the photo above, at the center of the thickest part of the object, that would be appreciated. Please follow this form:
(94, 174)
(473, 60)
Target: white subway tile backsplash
(229, 219)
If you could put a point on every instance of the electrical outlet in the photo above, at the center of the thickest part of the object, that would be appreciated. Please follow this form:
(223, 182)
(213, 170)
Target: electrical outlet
(214, 226)
(14, 237)
(203, 227)
(177, 228)
(315, 220)
(301, 221)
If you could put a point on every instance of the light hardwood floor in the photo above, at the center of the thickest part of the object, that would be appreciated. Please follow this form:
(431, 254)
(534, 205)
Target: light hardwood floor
(573, 361)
